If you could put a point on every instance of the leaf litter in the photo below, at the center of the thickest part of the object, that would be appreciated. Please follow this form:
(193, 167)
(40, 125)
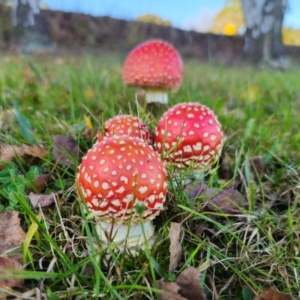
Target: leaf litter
(228, 200)
(175, 246)
(11, 237)
(65, 150)
(185, 287)
(9, 152)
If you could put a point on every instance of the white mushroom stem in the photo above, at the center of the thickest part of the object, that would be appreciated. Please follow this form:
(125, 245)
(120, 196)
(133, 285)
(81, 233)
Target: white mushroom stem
(155, 96)
(126, 236)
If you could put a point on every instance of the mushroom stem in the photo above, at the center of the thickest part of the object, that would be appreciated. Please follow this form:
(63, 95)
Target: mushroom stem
(128, 236)
(156, 96)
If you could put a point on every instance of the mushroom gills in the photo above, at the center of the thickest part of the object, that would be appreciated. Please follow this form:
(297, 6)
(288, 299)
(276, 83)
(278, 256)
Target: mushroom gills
(129, 236)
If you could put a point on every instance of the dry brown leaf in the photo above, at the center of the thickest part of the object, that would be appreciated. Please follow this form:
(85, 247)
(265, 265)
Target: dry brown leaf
(271, 294)
(228, 200)
(65, 150)
(9, 152)
(256, 166)
(185, 287)
(175, 246)
(41, 181)
(11, 233)
(7, 263)
(41, 200)
(170, 290)
(225, 169)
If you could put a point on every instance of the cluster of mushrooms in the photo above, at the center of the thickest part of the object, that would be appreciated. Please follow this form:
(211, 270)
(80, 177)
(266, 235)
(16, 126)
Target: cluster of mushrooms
(123, 178)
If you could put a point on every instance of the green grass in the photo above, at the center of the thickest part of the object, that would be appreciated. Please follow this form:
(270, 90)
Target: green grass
(258, 111)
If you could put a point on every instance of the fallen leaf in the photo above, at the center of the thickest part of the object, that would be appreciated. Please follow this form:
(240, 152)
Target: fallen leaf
(185, 287)
(41, 181)
(256, 166)
(65, 150)
(175, 246)
(225, 169)
(6, 264)
(271, 294)
(9, 152)
(200, 229)
(228, 200)
(11, 233)
(41, 200)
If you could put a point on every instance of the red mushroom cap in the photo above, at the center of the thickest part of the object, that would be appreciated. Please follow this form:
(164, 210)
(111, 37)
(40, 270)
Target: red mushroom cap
(117, 174)
(189, 133)
(125, 125)
(155, 64)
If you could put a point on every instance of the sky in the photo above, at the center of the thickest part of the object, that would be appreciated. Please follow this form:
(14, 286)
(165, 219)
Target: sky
(185, 14)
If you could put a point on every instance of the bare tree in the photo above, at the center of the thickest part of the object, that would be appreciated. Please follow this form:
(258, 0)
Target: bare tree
(30, 27)
(263, 36)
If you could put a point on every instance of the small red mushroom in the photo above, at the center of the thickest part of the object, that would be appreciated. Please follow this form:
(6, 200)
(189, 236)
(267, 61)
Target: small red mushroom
(156, 66)
(116, 176)
(125, 125)
(189, 134)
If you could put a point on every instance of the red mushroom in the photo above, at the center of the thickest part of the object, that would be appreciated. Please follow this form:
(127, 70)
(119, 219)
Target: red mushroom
(116, 176)
(189, 134)
(125, 125)
(156, 66)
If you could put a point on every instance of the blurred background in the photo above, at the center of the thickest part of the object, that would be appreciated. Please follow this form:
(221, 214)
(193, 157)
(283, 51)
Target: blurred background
(264, 31)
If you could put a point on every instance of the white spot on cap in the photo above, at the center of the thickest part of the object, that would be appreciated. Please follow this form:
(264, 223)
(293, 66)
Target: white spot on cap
(116, 202)
(124, 179)
(143, 189)
(206, 148)
(213, 137)
(197, 146)
(187, 148)
(190, 116)
(102, 162)
(128, 198)
(205, 134)
(105, 185)
(151, 198)
(110, 193)
(105, 170)
(144, 176)
(96, 184)
(95, 201)
(120, 190)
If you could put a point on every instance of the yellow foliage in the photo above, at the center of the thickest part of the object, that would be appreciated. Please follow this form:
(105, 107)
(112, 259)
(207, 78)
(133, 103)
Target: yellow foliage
(229, 20)
(89, 93)
(291, 36)
(230, 29)
(148, 18)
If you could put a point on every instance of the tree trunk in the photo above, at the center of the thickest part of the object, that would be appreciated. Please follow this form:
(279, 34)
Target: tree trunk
(263, 36)
(30, 27)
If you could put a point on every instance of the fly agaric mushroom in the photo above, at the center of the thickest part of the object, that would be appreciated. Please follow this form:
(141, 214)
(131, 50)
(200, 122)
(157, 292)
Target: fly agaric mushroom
(115, 178)
(125, 125)
(189, 134)
(156, 66)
